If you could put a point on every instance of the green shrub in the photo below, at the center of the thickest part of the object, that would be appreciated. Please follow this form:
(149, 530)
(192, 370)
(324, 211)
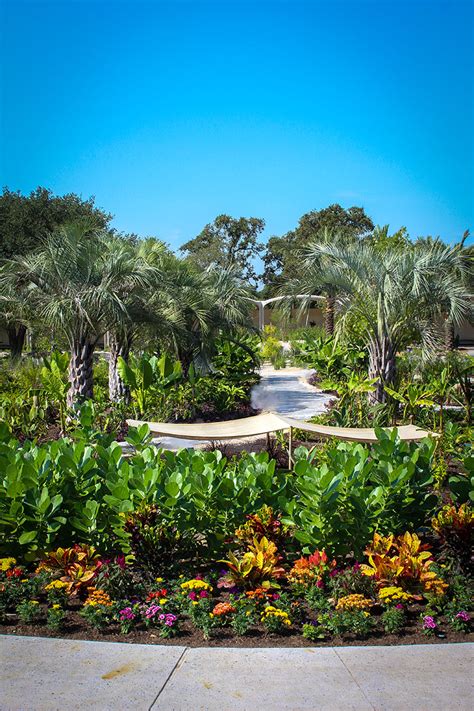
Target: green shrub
(358, 490)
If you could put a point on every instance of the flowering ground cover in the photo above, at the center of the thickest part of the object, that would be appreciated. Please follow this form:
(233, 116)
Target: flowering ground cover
(261, 595)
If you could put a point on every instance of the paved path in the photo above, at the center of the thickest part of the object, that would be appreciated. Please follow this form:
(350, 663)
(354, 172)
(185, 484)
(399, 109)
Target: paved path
(284, 391)
(52, 675)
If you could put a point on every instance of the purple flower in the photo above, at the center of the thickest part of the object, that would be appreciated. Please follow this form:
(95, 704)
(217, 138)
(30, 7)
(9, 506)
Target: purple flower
(429, 623)
(203, 593)
(399, 606)
(463, 615)
(170, 620)
(192, 595)
(127, 614)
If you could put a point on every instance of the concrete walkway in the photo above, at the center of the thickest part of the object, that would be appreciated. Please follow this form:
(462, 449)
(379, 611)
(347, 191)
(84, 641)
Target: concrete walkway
(52, 674)
(283, 391)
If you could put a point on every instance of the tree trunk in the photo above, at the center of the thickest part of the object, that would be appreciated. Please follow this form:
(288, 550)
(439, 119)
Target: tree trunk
(329, 315)
(16, 340)
(382, 365)
(81, 378)
(449, 335)
(119, 347)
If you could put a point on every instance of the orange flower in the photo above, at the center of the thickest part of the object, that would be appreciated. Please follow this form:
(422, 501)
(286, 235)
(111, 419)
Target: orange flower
(223, 608)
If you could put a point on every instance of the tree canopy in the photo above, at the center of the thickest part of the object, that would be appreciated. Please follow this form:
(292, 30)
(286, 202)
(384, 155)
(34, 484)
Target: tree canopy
(229, 243)
(282, 258)
(25, 220)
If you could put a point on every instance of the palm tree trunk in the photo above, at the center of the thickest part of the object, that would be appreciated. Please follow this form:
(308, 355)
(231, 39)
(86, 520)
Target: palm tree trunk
(329, 315)
(382, 365)
(80, 371)
(449, 335)
(119, 347)
(16, 340)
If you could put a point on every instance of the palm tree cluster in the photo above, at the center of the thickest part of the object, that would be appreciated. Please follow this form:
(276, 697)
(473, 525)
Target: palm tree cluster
(85, 282)
(395, 295)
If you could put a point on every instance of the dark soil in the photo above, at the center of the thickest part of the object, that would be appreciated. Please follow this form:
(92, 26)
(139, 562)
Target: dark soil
(76, 628)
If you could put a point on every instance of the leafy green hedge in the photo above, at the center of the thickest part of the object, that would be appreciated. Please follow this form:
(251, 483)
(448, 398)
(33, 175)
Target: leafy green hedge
(69, 491)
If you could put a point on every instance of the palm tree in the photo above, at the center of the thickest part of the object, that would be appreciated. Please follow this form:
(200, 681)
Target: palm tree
(73, 285)
(14, 313)
(152, 297)
(392, 293)
(213, 301)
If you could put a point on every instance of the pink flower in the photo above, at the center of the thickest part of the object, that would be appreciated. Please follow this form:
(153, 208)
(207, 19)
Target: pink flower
(203, 593)
(464, 616)
(192, 595)
(320, 584)
(429, 623)
(399, 606)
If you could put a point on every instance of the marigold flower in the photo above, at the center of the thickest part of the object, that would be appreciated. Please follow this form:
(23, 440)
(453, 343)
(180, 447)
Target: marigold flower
(392, 593)
(98, 597)
(353, 602)
(6, 564)
(196, 585)
(57, 585)
(223, 608)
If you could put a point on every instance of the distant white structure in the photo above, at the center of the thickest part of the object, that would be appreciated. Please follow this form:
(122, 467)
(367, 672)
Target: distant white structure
(262, 304)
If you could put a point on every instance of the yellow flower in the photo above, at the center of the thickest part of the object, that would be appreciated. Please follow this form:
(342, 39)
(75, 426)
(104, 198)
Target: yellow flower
(56, 585)
(7, 563)
(163, 600)
(34, 602)
(353, 602)
(25, 580)
(159, 580)
(195, 584)
(393, 593)
(56, 607)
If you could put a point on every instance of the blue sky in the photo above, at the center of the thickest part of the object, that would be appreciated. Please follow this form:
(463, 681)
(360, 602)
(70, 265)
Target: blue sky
(173, 112)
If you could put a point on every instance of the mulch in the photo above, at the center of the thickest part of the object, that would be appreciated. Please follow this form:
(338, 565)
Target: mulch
(76, 628)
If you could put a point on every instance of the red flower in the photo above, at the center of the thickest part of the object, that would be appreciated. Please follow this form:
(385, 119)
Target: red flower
(14, 573)
(158, 594)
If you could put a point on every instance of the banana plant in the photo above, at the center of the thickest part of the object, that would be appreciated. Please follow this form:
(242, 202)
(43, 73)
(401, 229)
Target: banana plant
(351, 390)
(55, 382)
(145, 374)
(442, 387)
(412, 397)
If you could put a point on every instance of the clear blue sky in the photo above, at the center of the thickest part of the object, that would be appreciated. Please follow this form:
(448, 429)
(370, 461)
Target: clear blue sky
(173, 112)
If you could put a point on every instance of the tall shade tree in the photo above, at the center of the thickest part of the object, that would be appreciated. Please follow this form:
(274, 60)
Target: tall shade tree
(393, 294)
(74, 285)
(229, 243)
(282, 258)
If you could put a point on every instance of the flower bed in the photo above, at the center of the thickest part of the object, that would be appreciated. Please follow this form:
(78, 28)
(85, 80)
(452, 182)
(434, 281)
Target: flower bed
(258, 597)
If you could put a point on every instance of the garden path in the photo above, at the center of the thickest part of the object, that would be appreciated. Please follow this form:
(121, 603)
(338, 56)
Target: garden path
(52, 674)
(284, 391)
